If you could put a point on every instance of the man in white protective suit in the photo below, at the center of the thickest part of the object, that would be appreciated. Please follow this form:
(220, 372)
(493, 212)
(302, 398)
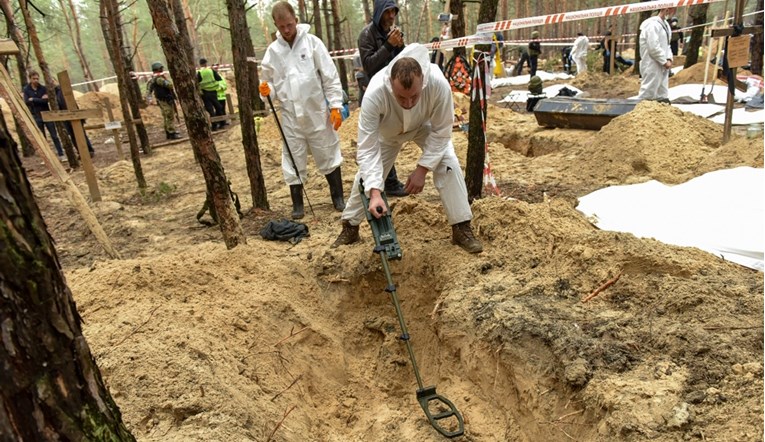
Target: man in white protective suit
(655, 56)
(579, 52)
(302, 74)
(409, 101)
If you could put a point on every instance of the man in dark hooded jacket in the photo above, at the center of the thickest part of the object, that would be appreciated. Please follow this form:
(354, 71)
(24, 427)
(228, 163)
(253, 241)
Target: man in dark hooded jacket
(379, 42)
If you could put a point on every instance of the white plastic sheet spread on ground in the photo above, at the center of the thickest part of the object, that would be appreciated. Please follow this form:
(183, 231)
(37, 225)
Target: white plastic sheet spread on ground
(524, 79)
(721, 212)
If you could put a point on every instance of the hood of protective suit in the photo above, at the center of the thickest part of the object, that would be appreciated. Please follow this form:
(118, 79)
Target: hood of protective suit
(419, 53)
(380, 7)
(302, 29)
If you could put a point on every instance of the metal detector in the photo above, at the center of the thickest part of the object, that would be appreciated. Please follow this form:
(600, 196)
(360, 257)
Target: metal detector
(387, 246)
(289, 152)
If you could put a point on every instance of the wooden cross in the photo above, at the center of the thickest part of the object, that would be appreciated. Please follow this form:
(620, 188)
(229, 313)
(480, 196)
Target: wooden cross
(734, 44)
(75, 116)
(27, 125)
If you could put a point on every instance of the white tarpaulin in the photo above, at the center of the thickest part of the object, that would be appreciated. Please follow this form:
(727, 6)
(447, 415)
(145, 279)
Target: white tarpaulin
(721, 212)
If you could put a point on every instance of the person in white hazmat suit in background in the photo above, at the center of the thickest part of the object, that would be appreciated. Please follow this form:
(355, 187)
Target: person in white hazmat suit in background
(301, 75)
(409, 101)
(579, 52)
(655, 56)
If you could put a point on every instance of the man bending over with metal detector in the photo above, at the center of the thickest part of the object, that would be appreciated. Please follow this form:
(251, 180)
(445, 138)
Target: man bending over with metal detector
(410, 101)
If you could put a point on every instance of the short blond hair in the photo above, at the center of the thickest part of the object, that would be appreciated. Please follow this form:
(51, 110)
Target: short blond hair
(282, 10)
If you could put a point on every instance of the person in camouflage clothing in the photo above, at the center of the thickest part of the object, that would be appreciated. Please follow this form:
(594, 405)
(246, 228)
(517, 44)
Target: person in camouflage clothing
(162, 89)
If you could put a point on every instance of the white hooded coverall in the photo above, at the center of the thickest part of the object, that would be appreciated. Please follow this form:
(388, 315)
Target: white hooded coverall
(303, 78)
(384, 126)
(655, 34)
(579, 53)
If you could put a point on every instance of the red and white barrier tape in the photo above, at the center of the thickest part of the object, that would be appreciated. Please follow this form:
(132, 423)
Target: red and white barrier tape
(147, 75)
(631, 8)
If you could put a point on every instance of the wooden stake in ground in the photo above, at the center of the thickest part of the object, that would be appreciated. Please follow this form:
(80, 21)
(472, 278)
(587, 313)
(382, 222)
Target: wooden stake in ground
(75, 116)
(27, 124)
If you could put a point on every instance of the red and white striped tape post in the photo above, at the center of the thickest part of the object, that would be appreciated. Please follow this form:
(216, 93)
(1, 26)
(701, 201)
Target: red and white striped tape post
(608, 11)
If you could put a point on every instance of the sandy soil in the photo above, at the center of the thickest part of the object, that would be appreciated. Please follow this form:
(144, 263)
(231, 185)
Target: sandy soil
(273, 341)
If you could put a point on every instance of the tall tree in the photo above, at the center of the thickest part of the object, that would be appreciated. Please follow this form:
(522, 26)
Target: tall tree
(109, 14)
(50, 385)
(21, 63)
(240, 42)
(457, 10)
(367, 11)
(698, 15)
(176, 46)
(131, 91)
(342, 68)
(476, 154)
(317, 28)
(757, 43)
(75, 35)
(49, 84)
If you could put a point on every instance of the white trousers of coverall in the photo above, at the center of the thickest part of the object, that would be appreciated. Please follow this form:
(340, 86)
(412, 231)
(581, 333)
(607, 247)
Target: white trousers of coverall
(324, 145)
(447, 177)
(581, 64)
(655, 81)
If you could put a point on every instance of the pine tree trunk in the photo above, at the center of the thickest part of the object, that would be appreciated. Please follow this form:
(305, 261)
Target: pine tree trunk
(176, 48)
(134, 99)
(458, 23)
(21, 63)
(698, 15)
(66, 143)
(75, 35)
(317, 20)
(342, 69)
(757, 42)
(476, 154)
(109, 27)
(240, 42)
(367, 11)
(142, 65)
(191, 29)
(302, 13)
(50, 385)
(328, 25)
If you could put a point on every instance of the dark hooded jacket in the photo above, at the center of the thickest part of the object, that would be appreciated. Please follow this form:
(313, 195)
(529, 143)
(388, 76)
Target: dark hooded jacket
(374, 48)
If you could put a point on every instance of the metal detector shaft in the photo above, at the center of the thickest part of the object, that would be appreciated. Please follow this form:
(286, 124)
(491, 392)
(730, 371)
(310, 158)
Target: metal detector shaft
(289, 152)
(386, 245)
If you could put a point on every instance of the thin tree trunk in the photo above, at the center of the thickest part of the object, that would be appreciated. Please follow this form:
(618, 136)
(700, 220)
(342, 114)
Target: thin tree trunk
(757, 43)
(109, 26)
(342, 68)
(51, 387)
(302, 13)
(142, 65)
(698, 16)
(458, 23)
(132, 91)
(325, 12)
(476, 154)
(176, 48)
(66, 143)
(241, 44)
(15, 33)
(317, 20)
(367, 11)
(75, 35)
(191, 29)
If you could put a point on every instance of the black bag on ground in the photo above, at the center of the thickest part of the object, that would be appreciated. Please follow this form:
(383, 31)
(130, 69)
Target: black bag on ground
(566, 92)
(284, 230)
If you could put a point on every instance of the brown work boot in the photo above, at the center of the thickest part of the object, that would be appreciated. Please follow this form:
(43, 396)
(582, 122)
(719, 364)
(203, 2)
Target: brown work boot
(349, 235)
(462, 235)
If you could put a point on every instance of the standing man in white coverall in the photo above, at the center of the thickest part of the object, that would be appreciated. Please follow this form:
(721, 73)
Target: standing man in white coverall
(302, 74)
(579, 52)
(655, 56)
(409, 101)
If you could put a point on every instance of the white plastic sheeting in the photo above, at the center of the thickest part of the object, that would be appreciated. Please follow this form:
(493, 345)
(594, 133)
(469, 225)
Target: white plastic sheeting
(721, 212)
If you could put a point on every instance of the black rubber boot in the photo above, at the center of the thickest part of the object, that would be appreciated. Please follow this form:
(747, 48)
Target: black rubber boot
(394, 187)
(335, 180)
(296, 193)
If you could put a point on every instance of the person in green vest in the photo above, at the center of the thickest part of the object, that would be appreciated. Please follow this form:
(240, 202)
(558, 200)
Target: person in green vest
(222, 86)
(162, 89)
(208, 82)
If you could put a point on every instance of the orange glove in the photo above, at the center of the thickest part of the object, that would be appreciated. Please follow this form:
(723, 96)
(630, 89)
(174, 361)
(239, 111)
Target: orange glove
(335, 118)
(264, 89)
